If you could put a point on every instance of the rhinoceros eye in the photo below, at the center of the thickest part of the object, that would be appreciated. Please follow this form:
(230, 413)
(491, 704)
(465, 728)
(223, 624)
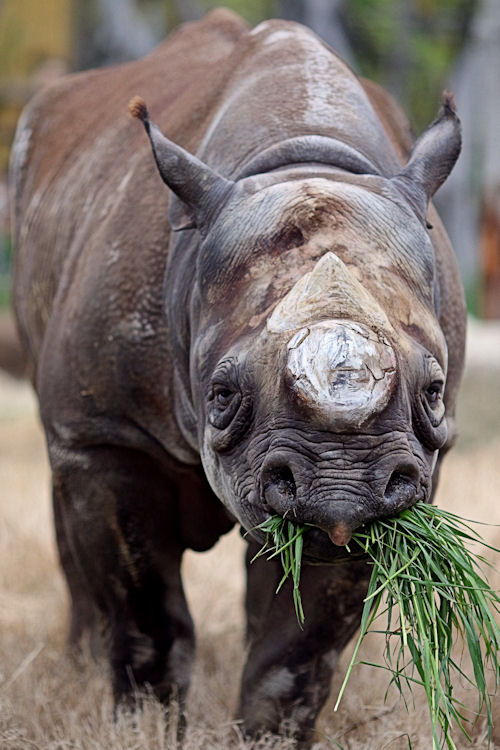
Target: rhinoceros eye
(228, 408)
(222, 396)
(429, 408)
(223, 405)
(434, 393)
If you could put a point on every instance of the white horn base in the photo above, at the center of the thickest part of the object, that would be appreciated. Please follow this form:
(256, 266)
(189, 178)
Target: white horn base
(341, 369)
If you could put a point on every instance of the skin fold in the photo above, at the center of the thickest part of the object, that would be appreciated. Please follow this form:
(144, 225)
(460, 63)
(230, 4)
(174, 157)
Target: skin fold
(249, 309)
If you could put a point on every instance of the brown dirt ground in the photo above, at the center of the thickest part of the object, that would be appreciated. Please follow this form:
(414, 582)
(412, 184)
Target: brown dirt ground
(52, 700)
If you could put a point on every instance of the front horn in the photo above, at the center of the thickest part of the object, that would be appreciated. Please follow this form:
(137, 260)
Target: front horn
(194, 182)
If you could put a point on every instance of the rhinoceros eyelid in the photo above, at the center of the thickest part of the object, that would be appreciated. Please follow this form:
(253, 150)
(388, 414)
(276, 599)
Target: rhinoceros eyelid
(433, 369)
(226, 373)
(222, 391)
(226, 365)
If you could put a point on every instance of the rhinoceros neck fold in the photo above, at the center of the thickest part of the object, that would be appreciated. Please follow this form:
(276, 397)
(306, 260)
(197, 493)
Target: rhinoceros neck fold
(313, 149)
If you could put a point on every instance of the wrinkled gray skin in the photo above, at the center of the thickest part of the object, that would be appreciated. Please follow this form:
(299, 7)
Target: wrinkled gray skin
(294, 346)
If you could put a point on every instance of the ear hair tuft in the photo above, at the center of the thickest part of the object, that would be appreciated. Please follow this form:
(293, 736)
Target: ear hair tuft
(137, 108)
(448, 106)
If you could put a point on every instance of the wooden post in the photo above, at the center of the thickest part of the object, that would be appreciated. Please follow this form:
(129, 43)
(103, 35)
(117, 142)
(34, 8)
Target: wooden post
(489, 248)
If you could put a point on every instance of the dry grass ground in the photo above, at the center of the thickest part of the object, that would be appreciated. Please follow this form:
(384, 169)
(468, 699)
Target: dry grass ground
(51, 700)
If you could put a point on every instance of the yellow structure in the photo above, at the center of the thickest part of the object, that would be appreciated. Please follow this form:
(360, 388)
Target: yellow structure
(32, 32)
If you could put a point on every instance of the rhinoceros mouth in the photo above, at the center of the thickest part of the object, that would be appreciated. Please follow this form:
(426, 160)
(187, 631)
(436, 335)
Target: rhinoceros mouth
(319, 550)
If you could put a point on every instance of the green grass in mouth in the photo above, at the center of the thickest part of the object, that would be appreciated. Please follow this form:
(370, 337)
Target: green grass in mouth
(284, 538)
(429, 585)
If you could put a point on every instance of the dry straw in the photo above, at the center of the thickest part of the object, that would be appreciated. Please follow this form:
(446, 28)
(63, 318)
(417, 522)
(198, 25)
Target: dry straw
(429, 585)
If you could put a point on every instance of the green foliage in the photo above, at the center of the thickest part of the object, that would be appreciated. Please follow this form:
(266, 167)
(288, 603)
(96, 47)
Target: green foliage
(253, 11)
(409, 46)
(5, 264)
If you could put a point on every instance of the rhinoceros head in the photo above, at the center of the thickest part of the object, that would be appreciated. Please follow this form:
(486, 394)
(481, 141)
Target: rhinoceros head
(317, 366)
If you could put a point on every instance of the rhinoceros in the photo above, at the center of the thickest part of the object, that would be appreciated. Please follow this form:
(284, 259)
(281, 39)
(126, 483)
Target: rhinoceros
(253, 311)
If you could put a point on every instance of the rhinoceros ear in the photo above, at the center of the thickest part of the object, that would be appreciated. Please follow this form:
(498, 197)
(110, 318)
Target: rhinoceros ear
(195, 183)
(432, 158)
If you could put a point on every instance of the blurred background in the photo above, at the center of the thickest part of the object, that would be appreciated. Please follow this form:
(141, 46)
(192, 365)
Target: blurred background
(414, 48)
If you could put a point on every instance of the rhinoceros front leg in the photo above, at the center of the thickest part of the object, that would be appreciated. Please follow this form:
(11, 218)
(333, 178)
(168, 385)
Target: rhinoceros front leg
(287, 676)
(84, 617)
(116, 524)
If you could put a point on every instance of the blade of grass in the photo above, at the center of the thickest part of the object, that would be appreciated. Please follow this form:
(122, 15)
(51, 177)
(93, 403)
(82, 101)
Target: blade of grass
(434, 589)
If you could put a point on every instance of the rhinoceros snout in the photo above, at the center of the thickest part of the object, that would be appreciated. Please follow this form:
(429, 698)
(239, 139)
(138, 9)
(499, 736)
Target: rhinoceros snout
(338, 506)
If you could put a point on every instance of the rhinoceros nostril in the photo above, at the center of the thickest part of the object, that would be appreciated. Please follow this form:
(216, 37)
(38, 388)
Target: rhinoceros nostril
(401, 490)
(279, 488)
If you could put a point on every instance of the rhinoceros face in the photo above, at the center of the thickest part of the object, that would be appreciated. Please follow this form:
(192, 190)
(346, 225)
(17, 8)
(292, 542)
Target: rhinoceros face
(326, 404)
(317, 365)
